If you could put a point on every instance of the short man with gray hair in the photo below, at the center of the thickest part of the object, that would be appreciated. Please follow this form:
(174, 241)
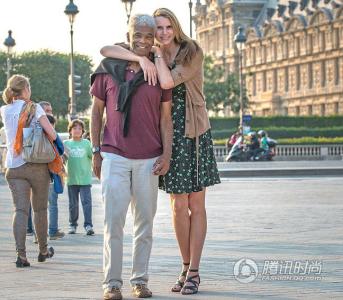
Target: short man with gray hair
(135, 150)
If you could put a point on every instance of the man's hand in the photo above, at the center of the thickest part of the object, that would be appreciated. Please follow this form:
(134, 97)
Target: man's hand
(149, 70)
(161, 166)
(96, 163)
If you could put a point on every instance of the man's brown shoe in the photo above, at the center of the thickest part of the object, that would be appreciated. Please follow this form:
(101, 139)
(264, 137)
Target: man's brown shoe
(113, 294)
(141, 291)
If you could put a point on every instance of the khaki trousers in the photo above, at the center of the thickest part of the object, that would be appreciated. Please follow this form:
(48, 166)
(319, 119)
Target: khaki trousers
(123, 181)
(24, 181)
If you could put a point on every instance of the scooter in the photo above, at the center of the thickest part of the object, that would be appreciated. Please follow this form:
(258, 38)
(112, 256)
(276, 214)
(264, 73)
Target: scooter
(240, 152)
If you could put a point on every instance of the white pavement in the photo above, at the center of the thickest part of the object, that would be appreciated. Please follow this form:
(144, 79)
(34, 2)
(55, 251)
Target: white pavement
(289, 219)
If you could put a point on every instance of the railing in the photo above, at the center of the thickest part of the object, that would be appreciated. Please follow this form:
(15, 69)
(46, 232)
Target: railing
(283, 152)
(296, 152)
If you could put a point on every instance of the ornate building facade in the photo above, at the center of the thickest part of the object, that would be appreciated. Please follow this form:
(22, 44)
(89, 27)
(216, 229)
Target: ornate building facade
(293, 63)
(217, 22)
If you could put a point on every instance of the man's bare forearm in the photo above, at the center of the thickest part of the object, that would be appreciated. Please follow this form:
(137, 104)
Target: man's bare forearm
(96, 124)
(167, 136)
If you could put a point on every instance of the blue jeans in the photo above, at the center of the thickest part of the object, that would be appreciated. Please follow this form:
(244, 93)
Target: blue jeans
(86, 199)
(53, 211)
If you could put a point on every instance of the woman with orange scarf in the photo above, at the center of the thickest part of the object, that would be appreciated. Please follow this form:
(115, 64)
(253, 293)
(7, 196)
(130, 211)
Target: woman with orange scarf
(25, 180)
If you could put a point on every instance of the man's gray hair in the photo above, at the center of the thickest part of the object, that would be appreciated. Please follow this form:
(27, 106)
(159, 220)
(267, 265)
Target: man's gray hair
(142, 19)
(44, 104)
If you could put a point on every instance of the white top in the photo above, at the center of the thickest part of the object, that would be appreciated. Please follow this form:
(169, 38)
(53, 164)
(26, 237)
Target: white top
(10, 116)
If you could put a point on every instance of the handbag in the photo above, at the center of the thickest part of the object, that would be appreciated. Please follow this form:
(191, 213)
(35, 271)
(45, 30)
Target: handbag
(36, 146)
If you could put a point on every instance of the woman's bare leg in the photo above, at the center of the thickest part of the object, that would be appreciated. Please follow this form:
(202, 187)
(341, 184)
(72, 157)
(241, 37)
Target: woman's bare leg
(181, 222)
(198, 228)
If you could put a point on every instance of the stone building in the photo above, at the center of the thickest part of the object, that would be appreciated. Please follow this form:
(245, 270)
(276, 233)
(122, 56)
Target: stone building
(293, 60)
(217, 22)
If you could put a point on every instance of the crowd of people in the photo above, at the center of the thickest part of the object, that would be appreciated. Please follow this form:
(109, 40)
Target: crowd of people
(156, 135)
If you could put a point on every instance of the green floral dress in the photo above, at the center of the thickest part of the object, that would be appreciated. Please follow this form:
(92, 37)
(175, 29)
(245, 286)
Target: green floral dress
(182, 175)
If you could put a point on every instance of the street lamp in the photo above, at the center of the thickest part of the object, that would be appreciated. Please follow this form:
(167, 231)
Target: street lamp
(190, 4)
(240, 40)
(71, 11)
(128, 8)
(9, 43)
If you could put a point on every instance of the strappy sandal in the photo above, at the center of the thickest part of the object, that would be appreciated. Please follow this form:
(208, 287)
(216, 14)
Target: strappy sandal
(50, 253)
(22, 262)
(192, 289)
(179, 284)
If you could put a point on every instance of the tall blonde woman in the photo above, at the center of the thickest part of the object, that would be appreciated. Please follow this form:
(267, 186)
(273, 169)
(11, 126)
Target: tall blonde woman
(178, 64)
(25, 180)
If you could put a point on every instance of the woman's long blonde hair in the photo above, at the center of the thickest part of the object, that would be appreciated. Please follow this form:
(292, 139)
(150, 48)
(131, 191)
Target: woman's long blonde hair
(188, 47)
(15, 86)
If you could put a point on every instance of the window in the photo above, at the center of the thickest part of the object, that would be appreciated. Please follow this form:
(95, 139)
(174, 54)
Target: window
(322, 41)
(309, 44)
(309, 110)
(275, 85)
(254, 85)
(336, 72)
(323, 71)
(264, 81)
(297, 45)
(285, 49)
(310, 76)
(336, 108)
(298, 77)
(286, 79)
(336, 37)
(322, 110)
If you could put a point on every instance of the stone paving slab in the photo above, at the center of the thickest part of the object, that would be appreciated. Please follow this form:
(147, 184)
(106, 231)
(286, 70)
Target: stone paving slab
(266, 219)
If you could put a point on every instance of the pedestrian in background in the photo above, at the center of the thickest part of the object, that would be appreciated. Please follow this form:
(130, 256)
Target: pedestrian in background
(56, 187)
(30, 228)
(79, 169)
(25, 179)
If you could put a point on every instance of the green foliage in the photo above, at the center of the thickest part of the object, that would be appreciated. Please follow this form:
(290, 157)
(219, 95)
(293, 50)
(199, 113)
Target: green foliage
(296, 141)
(221, 92)
(48, 72)
(286, 132)
(279, 121)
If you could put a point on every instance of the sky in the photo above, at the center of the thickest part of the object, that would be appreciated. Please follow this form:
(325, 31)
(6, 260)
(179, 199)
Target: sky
(42, 24)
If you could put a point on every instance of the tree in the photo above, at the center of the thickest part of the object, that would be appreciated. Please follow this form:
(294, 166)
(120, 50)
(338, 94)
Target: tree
(48, 72)
(221, 91)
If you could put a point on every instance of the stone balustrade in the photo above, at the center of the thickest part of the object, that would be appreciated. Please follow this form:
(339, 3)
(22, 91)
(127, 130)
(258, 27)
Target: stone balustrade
(296, 152)
(283, 152)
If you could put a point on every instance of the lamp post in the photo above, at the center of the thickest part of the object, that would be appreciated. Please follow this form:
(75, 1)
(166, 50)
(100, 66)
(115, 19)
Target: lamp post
(128, 8)
(190, 4)
(240, 40)
(9, 43)
(71, 11)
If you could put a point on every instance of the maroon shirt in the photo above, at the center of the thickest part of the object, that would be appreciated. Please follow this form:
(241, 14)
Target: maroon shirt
(144, 138)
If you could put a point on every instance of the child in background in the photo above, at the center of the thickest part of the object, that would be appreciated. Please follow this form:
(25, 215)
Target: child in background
(79, 169)
(56, 187)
